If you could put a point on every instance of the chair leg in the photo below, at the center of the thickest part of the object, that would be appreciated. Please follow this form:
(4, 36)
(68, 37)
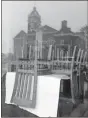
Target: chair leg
(72, 89)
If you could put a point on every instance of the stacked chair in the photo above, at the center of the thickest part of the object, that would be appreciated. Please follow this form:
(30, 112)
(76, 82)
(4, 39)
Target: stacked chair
(58, 62)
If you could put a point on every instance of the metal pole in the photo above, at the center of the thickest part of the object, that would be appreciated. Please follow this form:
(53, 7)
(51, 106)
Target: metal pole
(35, 71)
(35, 61)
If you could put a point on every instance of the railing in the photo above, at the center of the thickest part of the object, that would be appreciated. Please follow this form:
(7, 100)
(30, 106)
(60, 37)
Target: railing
(56, 59)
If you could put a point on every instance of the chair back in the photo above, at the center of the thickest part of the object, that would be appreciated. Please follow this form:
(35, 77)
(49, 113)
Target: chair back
(25, 87)
(64, 64)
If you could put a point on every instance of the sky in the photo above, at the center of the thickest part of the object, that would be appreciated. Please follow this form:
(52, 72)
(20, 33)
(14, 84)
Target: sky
(15, 17)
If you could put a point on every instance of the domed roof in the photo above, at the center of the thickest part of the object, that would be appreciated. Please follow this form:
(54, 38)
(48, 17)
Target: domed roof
(34, 13)
(34, 20)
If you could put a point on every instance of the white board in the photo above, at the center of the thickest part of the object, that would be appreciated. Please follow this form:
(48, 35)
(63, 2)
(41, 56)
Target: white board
(47, 94)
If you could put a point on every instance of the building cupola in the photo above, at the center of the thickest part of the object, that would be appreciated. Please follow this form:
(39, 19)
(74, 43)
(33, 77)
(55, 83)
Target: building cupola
(34, 20)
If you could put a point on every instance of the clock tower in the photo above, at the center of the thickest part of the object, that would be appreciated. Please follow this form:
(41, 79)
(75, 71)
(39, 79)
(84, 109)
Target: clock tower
(34, 20)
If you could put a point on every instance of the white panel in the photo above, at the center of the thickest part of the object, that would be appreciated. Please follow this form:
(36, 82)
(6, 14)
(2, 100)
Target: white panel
(22, 79)
(10, 80)
(24, 87)
(49, 53)
(47, 97)
(47, 94)
(27, 87)
(32, 85)
(18, 86)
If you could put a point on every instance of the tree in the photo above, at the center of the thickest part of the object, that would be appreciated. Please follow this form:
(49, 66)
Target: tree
(85, 28)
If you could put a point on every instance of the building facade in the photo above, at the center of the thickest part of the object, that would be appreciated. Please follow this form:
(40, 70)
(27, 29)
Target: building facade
(23, 42)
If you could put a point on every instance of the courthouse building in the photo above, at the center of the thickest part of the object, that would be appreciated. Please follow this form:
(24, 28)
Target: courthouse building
(24, 41)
